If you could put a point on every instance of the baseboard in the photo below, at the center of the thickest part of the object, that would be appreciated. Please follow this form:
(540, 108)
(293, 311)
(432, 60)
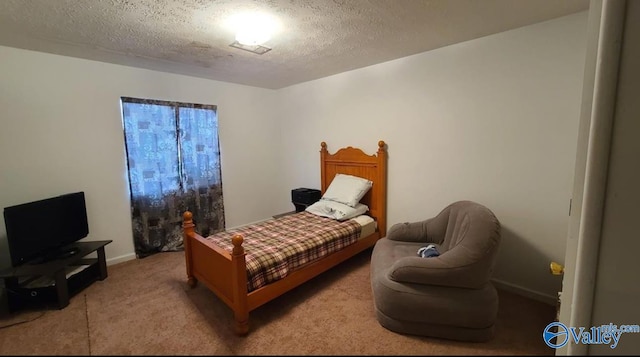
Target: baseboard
(248, 224)
(121, 259)
(528, 293)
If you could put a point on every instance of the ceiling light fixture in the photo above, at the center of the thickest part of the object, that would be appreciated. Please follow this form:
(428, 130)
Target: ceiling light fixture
(253, 34)
(258, 49)
(253, 29)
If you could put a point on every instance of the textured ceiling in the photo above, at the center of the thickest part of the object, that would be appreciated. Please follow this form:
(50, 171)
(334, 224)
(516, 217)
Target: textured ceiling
(318, 38)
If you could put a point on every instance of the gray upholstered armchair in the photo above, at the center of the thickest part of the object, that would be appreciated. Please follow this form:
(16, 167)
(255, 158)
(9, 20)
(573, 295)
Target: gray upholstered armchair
(449, 295)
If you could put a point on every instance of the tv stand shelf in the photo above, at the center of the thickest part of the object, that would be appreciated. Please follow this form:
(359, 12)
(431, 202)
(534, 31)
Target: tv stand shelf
(55, 280)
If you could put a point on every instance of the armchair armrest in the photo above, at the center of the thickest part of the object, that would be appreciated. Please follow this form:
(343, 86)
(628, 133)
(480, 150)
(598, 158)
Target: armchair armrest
(436, 271)
(409, 232)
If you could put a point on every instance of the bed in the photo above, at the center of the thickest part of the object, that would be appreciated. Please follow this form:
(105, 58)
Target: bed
(222, 267)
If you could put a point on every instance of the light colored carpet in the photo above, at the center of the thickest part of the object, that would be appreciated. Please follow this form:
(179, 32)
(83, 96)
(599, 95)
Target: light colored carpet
(145, 307)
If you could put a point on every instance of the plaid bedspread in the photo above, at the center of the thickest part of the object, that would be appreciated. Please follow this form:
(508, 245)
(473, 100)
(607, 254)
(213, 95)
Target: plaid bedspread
(276, 247)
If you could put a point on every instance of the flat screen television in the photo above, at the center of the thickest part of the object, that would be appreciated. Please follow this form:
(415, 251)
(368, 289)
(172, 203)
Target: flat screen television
(41, 229)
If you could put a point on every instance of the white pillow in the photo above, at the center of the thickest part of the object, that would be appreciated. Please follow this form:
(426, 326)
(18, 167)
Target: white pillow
(347, 189)
(336, 210)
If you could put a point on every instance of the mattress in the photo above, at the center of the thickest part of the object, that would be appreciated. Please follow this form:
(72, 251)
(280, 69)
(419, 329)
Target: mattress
(276, 247)
(367, 223)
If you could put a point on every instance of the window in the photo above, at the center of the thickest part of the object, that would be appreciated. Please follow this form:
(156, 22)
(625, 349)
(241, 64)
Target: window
(173, 161)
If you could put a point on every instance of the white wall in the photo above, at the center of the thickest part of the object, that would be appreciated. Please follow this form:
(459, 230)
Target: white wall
(493, 120)
(61, 131)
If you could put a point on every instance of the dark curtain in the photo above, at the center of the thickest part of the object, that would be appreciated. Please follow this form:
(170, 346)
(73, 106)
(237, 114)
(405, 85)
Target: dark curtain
(173, 165)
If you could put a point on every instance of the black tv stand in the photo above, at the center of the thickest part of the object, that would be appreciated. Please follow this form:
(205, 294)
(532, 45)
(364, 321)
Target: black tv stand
(68, 253)
(56, 278)
(58, 254)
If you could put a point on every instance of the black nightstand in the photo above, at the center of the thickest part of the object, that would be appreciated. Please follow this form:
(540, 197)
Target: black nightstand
(304, 197)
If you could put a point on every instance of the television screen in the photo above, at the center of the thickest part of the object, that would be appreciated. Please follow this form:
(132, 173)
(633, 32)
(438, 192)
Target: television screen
(40, 228)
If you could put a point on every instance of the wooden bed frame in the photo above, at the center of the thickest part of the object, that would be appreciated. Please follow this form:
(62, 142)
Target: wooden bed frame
(225, 272)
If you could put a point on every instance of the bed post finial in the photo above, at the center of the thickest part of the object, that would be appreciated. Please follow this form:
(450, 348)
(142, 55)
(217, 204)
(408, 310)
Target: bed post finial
(239, 282)
(381, 190)
(187, 223)
(237, 240)
(188, 229)
(323, 173)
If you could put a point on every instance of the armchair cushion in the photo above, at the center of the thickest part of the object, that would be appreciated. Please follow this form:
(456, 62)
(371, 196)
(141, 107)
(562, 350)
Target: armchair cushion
(467, 236)
(435, 271)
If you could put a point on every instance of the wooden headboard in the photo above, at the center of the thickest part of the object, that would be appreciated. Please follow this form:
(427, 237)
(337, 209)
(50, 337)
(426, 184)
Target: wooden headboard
(352, 161)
